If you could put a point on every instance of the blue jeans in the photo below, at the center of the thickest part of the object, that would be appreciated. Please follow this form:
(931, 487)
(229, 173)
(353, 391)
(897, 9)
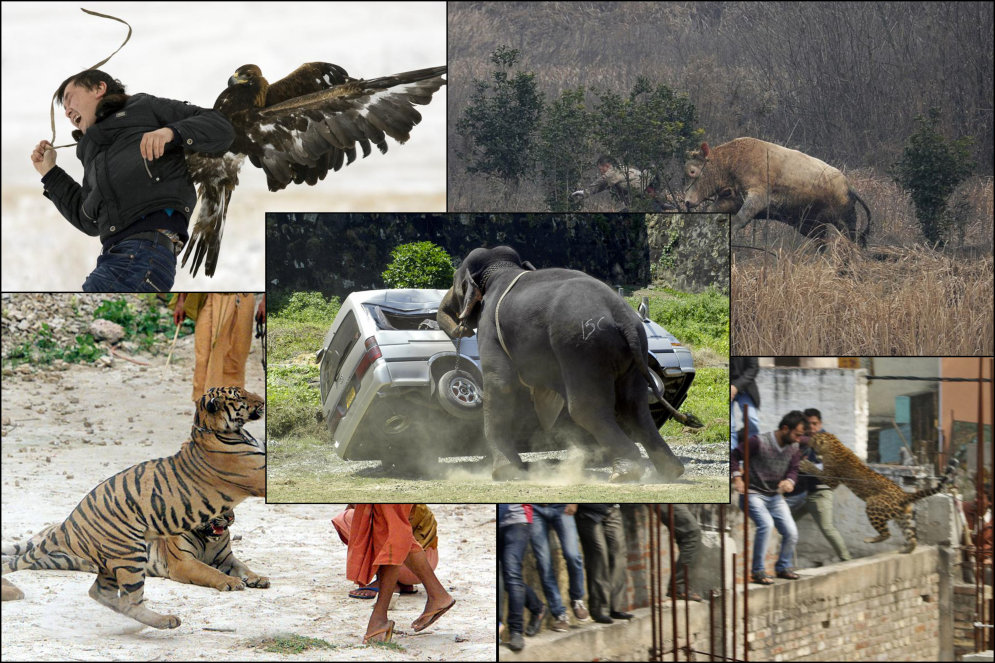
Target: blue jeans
(134, 265)
(767, 511)
(544, 516)
(736, 414)
(511, 551)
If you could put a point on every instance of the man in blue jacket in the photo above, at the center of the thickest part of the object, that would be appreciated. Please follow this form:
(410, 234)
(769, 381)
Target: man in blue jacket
(136, 193)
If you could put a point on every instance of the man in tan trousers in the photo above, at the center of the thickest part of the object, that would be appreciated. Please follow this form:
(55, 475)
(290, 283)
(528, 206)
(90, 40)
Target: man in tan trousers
(222, 336)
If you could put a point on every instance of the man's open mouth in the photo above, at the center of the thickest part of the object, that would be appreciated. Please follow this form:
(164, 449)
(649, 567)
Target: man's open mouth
(75, 118)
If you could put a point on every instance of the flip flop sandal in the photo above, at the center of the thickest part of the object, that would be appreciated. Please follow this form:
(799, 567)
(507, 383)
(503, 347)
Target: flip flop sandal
(411, 589)
(762, 579)
(387, 632)
(435, 614)
(788, 575)
(353, 594)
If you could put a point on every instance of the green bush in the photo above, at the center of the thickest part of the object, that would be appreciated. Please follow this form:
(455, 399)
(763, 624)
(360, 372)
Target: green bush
(419, 265)
(498, 125)
(930, 169)
(305, 307)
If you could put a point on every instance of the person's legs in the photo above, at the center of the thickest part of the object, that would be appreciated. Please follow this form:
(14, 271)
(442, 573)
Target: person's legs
(617, 559)
(688, 535)
(798, 504)
(544, 563)
(785, 524)
(757, 507)
(239, 340)
(566, 530)
(514, 538)
(592, 540)
(378, 619)
(820, 505)
(202, 335)
(438, 597)
(134, 265)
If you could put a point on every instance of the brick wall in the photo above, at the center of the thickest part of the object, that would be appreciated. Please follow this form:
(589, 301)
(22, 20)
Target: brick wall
(964, 617)
(883, 607)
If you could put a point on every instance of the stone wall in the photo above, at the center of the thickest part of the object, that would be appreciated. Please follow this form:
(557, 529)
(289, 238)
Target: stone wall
(689, 252)
(885, 606)
(340, 253)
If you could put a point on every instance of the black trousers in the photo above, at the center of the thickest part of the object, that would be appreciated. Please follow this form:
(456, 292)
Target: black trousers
(604, 561)
(687, 533)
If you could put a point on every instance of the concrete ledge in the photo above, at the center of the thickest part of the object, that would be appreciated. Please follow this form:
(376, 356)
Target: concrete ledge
(822, 616)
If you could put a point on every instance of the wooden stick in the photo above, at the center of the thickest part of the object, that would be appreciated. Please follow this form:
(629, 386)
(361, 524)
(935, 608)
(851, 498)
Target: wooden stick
(171, 347)
(127, 358)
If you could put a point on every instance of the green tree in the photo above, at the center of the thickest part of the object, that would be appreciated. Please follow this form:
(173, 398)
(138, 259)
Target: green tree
(930, 169)
(419, 265)
(564, 148)
(646, 129)
(499, 124)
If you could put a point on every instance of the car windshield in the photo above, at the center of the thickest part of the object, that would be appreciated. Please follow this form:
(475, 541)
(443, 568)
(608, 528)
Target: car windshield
(390, 318)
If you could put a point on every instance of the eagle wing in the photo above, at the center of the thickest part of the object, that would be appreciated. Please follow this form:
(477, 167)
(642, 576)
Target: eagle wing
(301, 139)
(216, 176)
(311, 123)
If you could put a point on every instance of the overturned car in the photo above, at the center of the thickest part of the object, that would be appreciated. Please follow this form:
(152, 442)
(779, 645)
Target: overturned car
(394, 387)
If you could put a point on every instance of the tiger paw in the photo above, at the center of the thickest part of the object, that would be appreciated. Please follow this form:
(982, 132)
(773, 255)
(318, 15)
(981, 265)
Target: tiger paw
(229, 584)
(257, 581)
(166, 621)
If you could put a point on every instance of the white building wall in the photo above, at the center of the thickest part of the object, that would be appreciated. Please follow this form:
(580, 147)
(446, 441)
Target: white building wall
(840, 394)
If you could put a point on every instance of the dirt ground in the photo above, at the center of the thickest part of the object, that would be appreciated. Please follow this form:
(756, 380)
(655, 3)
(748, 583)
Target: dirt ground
(66, 430)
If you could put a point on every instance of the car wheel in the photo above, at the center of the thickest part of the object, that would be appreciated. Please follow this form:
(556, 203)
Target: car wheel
(460, 395)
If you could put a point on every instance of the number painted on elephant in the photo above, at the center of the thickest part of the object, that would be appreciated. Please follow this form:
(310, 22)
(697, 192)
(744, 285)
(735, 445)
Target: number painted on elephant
(588, 327)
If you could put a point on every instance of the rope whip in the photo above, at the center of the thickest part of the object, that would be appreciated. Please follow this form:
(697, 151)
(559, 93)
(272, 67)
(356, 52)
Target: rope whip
(102, 62)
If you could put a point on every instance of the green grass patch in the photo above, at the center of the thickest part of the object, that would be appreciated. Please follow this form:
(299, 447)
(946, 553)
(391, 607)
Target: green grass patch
(292, 404)
(697, 320)
(708, 399)
(293, 644)
(297, 325)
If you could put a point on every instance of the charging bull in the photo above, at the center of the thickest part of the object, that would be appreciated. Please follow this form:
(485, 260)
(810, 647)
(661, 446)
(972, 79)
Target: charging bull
(752, 178)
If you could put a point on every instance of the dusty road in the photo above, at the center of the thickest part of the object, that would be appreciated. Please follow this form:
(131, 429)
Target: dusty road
(65, 431)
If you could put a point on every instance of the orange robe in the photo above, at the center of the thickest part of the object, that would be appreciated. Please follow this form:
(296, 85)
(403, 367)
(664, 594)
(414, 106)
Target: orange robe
(222, 340)
(423, 526)
(380, 535)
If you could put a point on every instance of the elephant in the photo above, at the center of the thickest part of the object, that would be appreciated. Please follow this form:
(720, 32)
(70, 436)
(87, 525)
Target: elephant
(554, 337)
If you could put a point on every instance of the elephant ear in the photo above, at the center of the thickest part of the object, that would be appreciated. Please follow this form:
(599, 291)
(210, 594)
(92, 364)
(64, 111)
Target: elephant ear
(472, 295)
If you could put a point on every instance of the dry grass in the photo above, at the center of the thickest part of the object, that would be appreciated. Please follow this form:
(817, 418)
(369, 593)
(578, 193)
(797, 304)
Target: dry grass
(892, 301)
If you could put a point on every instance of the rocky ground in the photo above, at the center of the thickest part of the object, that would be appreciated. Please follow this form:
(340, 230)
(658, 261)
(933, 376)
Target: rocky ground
(66, 427)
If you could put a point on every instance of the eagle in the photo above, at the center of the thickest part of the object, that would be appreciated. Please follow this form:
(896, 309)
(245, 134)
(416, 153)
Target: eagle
(296, 130)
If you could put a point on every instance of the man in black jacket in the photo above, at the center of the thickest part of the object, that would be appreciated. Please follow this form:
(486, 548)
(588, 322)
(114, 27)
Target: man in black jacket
(136, 193)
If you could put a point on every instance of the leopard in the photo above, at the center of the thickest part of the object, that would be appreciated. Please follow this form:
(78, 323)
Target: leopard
(884, 499)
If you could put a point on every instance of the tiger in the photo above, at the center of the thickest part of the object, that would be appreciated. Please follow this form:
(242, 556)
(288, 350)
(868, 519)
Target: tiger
(202, 556)
(218, 467)
(884, 498)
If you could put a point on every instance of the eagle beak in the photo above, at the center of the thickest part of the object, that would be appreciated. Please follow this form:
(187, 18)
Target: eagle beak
(234, 80)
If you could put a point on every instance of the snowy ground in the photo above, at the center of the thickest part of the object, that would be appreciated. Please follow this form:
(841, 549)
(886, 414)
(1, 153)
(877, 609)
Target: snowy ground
(187, 51)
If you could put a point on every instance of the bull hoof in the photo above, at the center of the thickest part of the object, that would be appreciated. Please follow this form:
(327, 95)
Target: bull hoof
(624, 469)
